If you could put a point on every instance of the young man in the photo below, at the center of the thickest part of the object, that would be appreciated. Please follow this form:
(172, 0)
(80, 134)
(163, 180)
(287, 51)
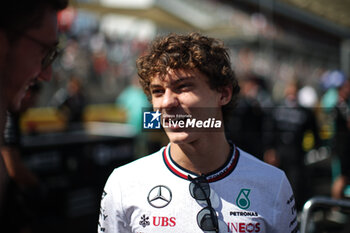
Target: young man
(199, 182)
(28, 38)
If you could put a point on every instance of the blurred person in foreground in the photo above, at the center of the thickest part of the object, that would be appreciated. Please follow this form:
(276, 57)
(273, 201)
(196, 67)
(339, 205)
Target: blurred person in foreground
(341, 142)
(28, 38)
(199, 182)
(24, 184)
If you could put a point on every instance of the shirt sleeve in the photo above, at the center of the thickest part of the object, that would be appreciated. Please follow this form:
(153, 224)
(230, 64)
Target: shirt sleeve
(285, 212)
(112, 217)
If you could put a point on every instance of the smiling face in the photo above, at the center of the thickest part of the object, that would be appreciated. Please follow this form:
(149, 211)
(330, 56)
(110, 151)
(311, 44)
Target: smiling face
(182, 93)
(22, 59)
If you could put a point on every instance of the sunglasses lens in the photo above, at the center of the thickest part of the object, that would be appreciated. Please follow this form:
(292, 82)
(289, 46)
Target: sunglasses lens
(200, 191)
(207, 220)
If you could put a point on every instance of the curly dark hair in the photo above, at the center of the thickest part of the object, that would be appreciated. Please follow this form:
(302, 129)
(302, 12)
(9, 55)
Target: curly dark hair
(20, 15)
(191, 51)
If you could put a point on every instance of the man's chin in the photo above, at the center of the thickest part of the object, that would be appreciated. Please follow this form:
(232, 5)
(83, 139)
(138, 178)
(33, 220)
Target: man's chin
(178, 137)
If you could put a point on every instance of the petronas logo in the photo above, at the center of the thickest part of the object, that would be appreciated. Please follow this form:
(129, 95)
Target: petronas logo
(242, 200)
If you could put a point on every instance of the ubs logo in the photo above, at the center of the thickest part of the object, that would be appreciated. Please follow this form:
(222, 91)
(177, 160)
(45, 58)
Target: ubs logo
(159, 196)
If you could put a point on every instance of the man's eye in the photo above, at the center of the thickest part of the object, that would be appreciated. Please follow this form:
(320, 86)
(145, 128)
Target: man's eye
(184, 86)
(156, 91)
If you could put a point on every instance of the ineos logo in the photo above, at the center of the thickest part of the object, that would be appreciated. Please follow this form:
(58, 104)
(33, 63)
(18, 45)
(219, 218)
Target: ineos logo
(159, 196)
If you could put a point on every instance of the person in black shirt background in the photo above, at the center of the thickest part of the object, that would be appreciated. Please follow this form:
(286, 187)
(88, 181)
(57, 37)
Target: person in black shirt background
(284, 140)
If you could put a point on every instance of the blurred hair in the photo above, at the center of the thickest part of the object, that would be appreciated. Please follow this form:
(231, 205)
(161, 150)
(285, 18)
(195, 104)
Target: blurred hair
(192, 51)
(18, 16)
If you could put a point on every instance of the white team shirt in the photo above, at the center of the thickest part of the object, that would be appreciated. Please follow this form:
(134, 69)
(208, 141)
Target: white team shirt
(152, 195)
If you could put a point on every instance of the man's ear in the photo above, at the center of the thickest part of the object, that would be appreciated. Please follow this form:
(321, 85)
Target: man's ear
(225, 95)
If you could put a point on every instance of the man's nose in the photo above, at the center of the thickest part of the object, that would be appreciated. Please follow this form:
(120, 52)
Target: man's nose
(45, 75)
(170, 99)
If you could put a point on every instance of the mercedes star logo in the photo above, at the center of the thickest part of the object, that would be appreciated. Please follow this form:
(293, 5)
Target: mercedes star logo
(159, 196)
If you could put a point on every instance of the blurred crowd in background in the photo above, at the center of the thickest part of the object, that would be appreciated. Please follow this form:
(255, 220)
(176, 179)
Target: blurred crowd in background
(97, 69)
